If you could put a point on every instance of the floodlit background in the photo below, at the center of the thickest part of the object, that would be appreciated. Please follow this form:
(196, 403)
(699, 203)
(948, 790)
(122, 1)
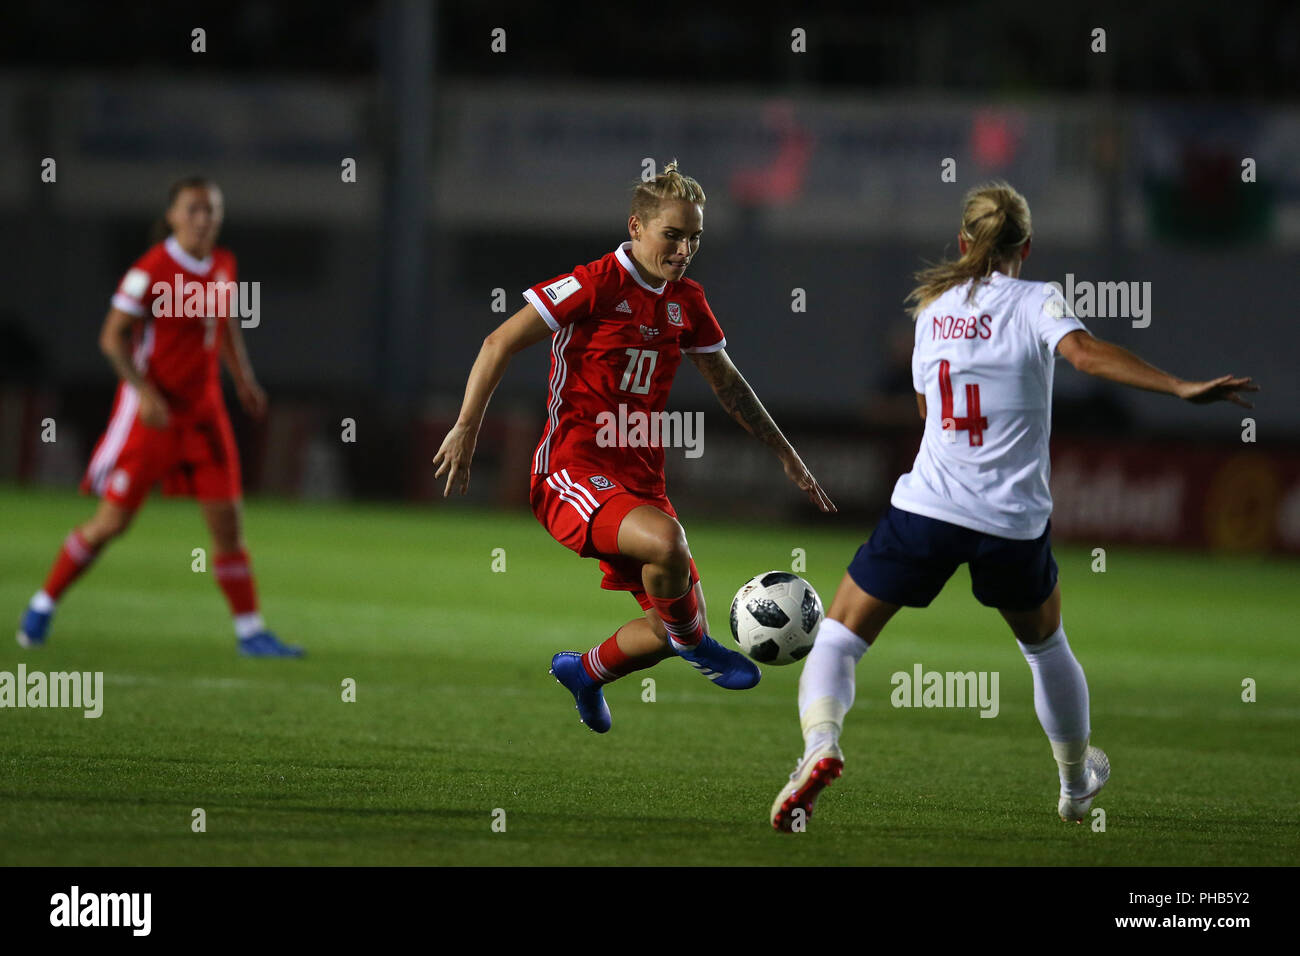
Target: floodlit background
(480, 171)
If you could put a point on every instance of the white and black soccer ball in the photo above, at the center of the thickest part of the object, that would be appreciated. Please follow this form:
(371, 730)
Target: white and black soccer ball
(775, 616)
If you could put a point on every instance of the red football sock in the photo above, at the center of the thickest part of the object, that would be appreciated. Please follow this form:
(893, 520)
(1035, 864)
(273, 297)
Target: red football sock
(607, 662)
(74, 557)
(235, 578)
(681, 616)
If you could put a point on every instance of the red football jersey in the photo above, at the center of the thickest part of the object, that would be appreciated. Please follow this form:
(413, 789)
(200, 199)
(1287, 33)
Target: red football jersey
(617, 342)
(177, 353)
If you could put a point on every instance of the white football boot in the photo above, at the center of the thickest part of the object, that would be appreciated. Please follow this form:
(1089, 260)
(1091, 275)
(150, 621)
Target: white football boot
(815, 773)
(1096, 769)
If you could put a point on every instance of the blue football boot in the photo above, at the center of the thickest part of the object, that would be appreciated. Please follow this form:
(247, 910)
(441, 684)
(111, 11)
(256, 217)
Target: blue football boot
(33, 627)
(567, 668)
(266, 644)
(724, 667)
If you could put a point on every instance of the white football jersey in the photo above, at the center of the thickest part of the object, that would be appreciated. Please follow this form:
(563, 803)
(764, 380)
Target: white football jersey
(985, 368)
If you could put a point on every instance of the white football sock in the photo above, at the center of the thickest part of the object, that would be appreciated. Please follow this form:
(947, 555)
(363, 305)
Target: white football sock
(42, 603)
(1061, 702)
(826, 686)
(246, 625)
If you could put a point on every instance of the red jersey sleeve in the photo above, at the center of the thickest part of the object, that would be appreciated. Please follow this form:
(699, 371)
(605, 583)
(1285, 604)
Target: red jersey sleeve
(704, 334)
(225, 269)
(134, 293)
(565, 299)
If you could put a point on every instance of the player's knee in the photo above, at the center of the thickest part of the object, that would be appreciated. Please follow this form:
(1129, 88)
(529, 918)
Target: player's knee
(1037, 632)
(671, 551)
(105, 527)
(227, 541)
(223, 523)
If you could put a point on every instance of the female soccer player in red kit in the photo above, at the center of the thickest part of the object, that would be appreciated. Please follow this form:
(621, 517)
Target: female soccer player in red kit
(169, 421)
(618, 328)
(983, 362)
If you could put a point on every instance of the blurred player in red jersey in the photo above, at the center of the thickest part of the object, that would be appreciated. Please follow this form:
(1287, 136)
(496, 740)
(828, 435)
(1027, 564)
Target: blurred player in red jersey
(169, 421)
(618, 328)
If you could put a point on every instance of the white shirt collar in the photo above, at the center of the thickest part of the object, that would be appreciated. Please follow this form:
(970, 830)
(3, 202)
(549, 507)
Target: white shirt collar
(183, 258)
(624, 257)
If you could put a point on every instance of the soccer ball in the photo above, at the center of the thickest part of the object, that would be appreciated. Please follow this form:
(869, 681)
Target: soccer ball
(775, 616)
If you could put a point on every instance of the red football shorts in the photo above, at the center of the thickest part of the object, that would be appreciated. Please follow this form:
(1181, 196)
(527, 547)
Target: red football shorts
(583, 513)
(196, 457)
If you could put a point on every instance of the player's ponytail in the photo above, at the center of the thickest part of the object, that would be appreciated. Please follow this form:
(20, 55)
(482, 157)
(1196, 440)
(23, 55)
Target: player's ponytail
(160, 229)
(995, 223)
(670, 184)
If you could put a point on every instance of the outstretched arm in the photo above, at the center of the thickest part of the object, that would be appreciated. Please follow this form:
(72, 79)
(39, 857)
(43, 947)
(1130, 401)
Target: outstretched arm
(235, 357)
(743, 405)
(521, 330)
(1107, 360)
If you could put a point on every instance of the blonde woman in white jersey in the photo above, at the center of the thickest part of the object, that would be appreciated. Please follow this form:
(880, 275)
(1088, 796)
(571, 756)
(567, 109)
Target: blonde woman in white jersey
(986, 343)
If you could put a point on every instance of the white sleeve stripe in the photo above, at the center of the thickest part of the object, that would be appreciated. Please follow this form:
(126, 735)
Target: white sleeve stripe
(709, 348)
(127, 304)
(536, 302)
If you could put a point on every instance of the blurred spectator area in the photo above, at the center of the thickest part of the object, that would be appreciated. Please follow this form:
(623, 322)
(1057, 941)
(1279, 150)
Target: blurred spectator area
(821, 205)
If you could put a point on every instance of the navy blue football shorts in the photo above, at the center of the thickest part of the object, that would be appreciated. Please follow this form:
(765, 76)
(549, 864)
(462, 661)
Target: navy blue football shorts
(909, 558)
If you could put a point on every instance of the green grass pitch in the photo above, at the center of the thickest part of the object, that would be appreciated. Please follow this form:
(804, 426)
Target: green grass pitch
(456, 717)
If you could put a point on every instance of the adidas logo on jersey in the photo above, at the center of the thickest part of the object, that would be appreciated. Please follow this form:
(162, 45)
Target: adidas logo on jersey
(623, 307)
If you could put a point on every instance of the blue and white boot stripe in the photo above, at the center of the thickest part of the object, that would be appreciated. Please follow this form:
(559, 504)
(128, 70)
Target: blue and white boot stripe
(704, 669)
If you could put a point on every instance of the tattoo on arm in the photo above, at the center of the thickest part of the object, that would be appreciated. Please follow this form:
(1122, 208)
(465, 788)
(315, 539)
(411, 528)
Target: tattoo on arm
(739, 399)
